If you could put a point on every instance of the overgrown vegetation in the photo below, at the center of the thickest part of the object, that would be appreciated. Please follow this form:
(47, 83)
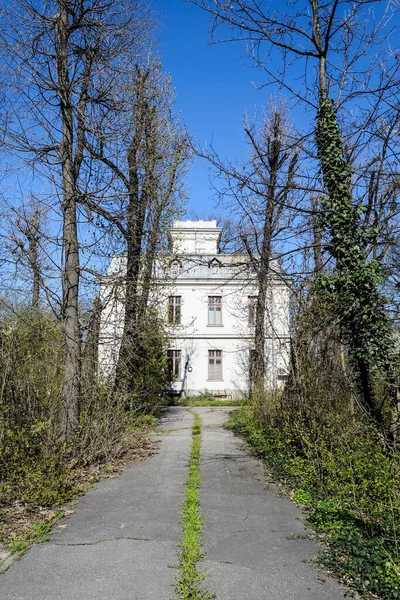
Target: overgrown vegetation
(39, 466)
(206, 399)
(189, 578)
(317, 436)
(39, 533)
(340, 469)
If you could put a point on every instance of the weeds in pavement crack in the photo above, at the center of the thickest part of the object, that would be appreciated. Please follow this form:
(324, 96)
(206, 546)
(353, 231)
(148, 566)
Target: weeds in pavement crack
(189, 578)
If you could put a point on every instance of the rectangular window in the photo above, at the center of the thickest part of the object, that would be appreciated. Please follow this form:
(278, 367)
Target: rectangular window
(252, 310)
(175, 310)
(215, 365)
(215, 310)
(175, 268)
(174, 360)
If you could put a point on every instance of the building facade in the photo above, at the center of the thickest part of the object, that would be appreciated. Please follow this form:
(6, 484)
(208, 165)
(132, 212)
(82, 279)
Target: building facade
(209, 305)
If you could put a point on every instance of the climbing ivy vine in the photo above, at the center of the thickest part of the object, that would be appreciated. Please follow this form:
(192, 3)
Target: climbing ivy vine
(355, 286)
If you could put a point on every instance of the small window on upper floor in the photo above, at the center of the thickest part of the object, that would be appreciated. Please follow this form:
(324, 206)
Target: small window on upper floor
(252, 310)
(215, 310)
(175, 268)
(214, 265)
(175, 310)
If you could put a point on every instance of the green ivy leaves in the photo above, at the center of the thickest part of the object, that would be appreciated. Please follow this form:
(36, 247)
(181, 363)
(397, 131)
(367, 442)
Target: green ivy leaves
(353, 290)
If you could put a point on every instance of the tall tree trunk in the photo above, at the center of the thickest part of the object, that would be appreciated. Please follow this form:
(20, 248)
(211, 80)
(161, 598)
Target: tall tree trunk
(263, 274)
(33, 255)
(71, 273)
(31, 231)
(259, 334)
(129, 353)
(90, 359)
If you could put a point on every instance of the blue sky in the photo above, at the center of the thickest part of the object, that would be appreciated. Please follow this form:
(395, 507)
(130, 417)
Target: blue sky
(213, 89)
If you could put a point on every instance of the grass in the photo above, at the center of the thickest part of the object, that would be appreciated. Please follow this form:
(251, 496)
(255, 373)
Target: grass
(38, 533)
(205, 400)
(355, 506)
(189, 578)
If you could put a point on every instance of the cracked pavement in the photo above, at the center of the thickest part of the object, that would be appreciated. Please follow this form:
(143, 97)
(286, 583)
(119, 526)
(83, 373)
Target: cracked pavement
(256, 545)
(121, 543)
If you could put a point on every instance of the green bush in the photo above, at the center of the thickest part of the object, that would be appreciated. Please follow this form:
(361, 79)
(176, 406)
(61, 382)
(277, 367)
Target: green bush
(38, 466)
(32, 467)
(349, 482)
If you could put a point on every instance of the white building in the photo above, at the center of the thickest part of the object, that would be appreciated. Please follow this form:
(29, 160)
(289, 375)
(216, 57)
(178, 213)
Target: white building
(209, 304)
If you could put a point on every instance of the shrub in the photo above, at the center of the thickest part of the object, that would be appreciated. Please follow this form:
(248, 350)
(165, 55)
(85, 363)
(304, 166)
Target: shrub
(37, 465)
(350, 483)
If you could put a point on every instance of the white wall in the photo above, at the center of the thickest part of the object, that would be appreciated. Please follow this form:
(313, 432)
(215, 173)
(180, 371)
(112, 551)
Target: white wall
(195, 282)
(194, 337)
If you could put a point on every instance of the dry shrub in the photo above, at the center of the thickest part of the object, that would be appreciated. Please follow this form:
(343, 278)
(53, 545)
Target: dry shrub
(37, 465)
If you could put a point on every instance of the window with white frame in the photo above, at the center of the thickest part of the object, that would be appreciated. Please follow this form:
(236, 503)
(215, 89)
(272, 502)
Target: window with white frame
(175, 310)
(252, 310)
(175, 268)
(175, 363)
(215, 310)
(215, 268)
(215, 365)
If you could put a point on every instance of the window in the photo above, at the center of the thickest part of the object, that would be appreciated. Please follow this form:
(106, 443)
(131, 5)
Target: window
(214, 264)
(283, 375)
(215, 365)
(252, 310)
(174, 360)
(175, 268)
(215, 310)
(175, 310)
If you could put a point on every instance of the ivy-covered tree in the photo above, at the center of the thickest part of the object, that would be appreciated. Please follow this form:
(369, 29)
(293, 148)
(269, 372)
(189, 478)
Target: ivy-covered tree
(348, 58)
(355, 285)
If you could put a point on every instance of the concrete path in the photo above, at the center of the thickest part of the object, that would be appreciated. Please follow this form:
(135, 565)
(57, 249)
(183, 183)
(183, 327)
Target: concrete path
(254, 540)
(122, 540)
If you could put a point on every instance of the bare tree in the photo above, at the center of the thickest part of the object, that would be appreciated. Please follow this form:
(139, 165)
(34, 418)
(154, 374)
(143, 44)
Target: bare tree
(266, 195)
(260, 192)
(29, 250)
(349, 63)
(25, 242)
(144, 154)
(66, 56)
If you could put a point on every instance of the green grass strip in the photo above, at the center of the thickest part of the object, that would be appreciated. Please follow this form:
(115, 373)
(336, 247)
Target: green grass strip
(189, 578)
(196, 401)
